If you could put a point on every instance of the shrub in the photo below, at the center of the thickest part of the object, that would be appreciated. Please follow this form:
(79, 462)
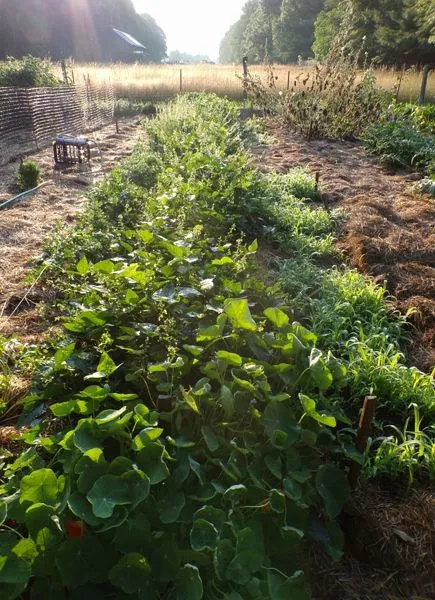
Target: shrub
(129, 108)
(332, 100)
(400, 145)
(28, 175)
(28, 71)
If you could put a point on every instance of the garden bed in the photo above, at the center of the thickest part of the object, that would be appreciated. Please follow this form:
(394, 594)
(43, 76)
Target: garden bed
(388, 231)
(25, 225)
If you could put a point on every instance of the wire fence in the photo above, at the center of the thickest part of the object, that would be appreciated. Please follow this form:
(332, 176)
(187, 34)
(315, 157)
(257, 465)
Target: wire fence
(30, 118)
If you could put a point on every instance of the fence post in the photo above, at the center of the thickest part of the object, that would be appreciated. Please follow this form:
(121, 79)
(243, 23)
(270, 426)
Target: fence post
(288, 80)
(422, 95)
(245, 78)
(364, 427)
(181, 81)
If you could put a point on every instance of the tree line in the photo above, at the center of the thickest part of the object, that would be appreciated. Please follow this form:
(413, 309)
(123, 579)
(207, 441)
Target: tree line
(82, 29)
(392, 32)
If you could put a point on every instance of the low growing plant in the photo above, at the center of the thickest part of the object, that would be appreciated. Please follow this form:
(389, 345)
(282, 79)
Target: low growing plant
(399, 145)
(28, 175)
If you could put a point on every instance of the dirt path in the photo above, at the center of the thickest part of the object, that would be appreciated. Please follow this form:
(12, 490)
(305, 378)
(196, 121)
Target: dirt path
(25, 225)
(389, 232)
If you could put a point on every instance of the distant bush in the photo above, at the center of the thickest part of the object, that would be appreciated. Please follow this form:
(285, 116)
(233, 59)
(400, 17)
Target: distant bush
(131, 108)
(28, 175)
(28, 71)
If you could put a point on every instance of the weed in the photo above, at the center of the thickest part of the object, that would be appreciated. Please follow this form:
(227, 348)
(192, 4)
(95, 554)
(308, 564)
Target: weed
(29, 175)
(410, 451)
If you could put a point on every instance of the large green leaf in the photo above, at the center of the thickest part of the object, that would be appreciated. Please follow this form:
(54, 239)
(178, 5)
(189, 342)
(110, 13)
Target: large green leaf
(82, 509)
(106, 493)
(248, 559)
(333, 486)
(82, 266)
(286, 588)
(131, 573)
(39, 486)
(170, 506)
(80, 560)
(237, 309)
(203, 535)
(188, 583)
(310, 409)
(150, 459)
(106, 364)
(41, 526)
(277, 316)
(222, 558)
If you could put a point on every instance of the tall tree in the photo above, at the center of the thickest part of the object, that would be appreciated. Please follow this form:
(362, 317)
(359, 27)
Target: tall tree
(79, 28)
(392, 31)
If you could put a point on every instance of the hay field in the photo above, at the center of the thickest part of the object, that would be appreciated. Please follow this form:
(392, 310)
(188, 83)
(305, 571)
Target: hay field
(153, 82)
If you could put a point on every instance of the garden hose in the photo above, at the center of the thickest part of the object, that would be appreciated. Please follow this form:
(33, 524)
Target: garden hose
(22, 195)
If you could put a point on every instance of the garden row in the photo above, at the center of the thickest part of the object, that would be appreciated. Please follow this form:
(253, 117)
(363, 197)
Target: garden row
(188, 433)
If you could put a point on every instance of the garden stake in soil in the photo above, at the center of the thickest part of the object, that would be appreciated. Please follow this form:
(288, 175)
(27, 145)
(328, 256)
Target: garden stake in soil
(364, 427)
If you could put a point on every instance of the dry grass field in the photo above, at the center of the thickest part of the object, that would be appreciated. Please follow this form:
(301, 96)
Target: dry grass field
(137, 81)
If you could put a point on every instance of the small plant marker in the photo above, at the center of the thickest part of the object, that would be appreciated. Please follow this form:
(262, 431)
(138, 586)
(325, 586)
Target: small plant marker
(364, 427)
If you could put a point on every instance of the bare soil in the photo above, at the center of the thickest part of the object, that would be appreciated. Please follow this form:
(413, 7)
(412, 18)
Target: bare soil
(25, 225)
(389, 232)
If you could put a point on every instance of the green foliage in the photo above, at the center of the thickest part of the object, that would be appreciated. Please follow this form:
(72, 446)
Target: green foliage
(279, 30)
(130, 108)
(28, 71)
(190, 438)
(192, 413)
(393, 33)
(408, 452)
(399, 144)
(28, 175)
(83, 31)
(421, 118)
(426, 186)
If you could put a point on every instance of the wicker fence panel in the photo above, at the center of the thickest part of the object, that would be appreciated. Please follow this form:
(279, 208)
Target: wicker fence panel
(30, 118)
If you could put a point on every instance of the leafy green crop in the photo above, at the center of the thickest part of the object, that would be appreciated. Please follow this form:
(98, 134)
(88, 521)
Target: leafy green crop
(182, 434)
(186, 436)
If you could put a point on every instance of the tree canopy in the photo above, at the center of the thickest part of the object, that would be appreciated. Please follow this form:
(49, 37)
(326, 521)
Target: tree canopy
(82, 29)
(392, 31)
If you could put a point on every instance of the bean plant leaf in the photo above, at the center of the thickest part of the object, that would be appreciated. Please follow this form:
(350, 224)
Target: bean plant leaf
(230, 357)
(82, 266)
(188, 583)
(237, 309)
(277, 316)
(332, 485)
(131, 573)
(106, 364)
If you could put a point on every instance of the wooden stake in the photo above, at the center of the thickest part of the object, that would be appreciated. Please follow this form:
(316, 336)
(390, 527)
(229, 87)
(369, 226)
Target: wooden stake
(364, 427)
(288, 80)
(117, 125)
(181, 81)
(422, 95)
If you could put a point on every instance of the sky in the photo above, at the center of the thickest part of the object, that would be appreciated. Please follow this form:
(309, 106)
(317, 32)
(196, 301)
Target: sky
(193, 26)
